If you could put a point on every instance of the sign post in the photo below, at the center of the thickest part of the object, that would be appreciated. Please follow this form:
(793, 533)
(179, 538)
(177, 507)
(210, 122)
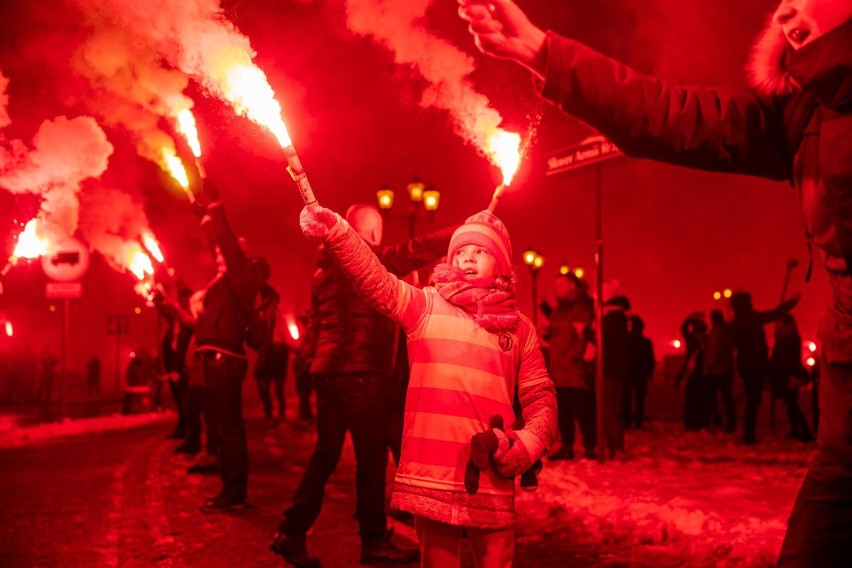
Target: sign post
(592, 151)
(65, 267)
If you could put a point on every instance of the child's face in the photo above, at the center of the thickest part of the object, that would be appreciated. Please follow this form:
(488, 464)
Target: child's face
(476, 262)
(804, 21)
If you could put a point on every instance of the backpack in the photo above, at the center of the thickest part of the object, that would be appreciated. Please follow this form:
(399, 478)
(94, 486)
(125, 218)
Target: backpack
(261, 320)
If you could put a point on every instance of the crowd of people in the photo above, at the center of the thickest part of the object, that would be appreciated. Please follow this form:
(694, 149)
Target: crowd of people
(479, 398)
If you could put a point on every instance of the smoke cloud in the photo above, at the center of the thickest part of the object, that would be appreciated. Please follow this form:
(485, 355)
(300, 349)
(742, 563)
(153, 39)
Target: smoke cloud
(111, 221)
(65, 153)
(133, 89)
(397, 24)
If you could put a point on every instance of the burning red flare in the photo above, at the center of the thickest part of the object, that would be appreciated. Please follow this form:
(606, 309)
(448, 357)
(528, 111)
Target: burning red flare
(30, 243)
(9, 330)
(175, 167)
(187, 127)
(153, 247)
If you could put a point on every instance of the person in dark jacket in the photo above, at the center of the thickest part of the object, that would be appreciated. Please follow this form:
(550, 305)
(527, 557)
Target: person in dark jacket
(788, 373)
(173, 348)
(568, 334)
(753, 353)
(694, 332)
(719, 368)
(220, 335)
(642, 365)
(273, 356)
(616, 369)
(353, 355)
(792, 125)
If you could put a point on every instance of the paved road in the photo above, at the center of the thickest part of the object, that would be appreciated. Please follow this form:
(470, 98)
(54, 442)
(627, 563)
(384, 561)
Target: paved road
(122, 499)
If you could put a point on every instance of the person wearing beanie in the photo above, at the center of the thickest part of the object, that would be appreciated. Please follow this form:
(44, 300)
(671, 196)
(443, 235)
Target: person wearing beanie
(470, 352)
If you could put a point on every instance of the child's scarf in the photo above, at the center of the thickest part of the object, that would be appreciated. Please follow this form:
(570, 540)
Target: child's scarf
(491, 305)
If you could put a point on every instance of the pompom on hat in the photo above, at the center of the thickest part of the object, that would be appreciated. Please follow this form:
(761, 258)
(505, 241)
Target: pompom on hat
(487, 231)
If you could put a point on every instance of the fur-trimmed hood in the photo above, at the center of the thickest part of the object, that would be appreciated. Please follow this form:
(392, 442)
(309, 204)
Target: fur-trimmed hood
(822, 67)
(767, 67)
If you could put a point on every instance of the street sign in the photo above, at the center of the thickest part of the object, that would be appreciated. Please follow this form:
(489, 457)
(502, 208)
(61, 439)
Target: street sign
(68, 263)
(590, 151)
(64, 290)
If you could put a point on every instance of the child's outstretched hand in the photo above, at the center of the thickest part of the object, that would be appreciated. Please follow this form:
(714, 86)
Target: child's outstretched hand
(516, 460)
(317, 222)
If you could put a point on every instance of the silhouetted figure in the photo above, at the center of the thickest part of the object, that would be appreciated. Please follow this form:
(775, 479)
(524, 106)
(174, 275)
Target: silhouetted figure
(616, 369)
(642, 365)
(695, 408)
(173, 350)
(788, 374)
(719, 368)
(93, 376)
(753, 353)
(570, 364)
(47, 365)
(304, 349)
(270, 370)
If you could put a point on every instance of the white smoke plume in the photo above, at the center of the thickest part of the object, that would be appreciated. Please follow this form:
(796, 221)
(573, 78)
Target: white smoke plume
(112, 222)
(134, 89)
(4, 101)
(65, 153)
(193, 36)
(398, 25)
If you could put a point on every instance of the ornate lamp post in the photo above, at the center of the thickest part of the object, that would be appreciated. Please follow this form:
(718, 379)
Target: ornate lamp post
(534, 261)
(420, 198)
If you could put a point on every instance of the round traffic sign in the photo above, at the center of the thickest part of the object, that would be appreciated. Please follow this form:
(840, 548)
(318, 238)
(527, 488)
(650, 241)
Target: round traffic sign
(68, 263)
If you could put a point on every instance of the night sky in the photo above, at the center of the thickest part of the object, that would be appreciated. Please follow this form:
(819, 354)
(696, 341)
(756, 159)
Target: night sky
(672, 236)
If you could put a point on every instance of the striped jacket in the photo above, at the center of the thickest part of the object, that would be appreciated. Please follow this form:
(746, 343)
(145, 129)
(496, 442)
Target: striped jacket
(460, 377)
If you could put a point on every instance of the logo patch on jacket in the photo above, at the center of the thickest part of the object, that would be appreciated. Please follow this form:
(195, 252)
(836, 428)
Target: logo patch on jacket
(505, 340)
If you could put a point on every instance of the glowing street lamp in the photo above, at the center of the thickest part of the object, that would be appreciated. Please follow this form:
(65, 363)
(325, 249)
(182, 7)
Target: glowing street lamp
(534, 261)
(727, 293)
(431, 198)
(579, 272)
(418, 195)
(564, 269)
(717, 295)
(385, 198)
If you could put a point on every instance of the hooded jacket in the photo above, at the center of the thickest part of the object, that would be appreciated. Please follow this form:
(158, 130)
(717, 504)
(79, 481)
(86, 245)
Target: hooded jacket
(794, 124)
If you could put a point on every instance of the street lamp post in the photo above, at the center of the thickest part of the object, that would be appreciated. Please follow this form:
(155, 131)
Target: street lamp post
(420, 198)
(534, 261)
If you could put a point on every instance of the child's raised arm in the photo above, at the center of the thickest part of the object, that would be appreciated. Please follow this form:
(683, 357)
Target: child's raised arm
(386, 293)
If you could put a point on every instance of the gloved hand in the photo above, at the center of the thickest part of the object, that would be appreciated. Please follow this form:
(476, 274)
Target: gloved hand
(317, 222)
(515, 460)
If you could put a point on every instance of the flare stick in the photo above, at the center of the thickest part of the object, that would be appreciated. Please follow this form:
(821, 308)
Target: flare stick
(294, 166)
(498, 191)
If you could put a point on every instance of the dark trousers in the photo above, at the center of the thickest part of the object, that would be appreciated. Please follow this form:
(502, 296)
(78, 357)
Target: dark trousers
(576, 404)
(224, 375)
(357, 404)
(179, 390)
(303, 388)
(820, 527)
(613, 431)
(695, 403)
(753, 382)
(271, 370)
(634, 391)
(798, 423)
(197, 403)
(722, 388)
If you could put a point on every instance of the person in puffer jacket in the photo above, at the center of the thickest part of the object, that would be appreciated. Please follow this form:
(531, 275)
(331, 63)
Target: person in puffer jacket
(470, 351)
(793, 124)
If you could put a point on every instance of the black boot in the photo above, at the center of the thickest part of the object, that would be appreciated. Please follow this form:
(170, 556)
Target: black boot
(383, 551)
(294, 550)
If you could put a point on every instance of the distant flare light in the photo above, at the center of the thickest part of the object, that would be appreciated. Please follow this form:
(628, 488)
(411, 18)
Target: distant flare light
(9, 330)
(140, 265)
(30, 244)
(676, 343)
(153, 247)
(294, 331)
(187, 126)
(175, 168)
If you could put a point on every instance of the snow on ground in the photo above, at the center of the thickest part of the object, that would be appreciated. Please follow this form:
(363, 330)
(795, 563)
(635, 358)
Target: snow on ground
(695, 498)
(14, 436)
